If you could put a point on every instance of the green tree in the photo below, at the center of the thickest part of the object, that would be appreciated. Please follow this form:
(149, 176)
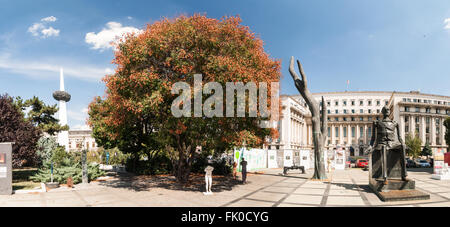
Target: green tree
(41, 115)
(414, 145)
(426, 151)
(136, 113)
(447, 131)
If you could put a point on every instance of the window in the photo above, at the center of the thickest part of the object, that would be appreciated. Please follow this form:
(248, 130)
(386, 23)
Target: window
(353, 102)
(378, 102)
(378, 110)
(369, 132)
(336, 103)
(406, 109)
(345, 102)
(329, 132)
(361, 119)
(361, 131)
(369, 111)
(344, 119)
(336, 119)
(370, 119)
(345, 111)
(336, 131)
(353, 132)
(369, 103)
(417, 109)
(352, 119)
(336, 111)
(353, 111)
(329, 111)
(386, 102)
(361, 102)
(345, 131)
(361, 111)
(328, 103)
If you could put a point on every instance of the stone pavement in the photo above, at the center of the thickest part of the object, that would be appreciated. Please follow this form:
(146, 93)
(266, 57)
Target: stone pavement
(346, 188)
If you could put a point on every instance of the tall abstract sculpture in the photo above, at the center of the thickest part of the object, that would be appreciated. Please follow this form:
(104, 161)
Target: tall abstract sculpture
(63, 97)
(319, 119)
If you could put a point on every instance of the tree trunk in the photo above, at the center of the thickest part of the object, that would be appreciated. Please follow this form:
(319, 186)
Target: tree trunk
(319, 121)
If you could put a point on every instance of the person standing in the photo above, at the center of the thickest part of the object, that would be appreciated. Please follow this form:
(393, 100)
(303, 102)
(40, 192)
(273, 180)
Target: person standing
(234, 169)
(244, 171)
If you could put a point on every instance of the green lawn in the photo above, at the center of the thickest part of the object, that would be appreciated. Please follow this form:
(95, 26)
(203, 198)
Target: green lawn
(20, 178)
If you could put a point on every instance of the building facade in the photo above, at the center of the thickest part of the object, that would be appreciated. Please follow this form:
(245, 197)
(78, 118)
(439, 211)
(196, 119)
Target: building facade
(351, 116)
(79, 138)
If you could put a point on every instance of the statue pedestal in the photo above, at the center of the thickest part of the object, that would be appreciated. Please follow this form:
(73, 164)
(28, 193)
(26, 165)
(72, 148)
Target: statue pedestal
(395, 188)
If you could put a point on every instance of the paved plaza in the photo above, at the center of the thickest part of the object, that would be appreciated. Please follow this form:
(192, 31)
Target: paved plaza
(265, 189)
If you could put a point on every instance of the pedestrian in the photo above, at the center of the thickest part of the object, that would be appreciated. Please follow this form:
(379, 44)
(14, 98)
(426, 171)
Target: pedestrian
(234, 169)
(244, 171)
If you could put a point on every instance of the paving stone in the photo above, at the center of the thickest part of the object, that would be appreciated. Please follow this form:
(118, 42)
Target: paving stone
(344, 201)
(304, 199)
(275, 197)
(310, 191)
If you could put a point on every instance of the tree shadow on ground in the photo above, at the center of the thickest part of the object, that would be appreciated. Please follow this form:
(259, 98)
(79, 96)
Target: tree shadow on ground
(147, 183)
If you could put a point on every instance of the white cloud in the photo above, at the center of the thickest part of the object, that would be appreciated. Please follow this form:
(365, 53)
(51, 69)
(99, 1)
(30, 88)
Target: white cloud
(77, 115)
(447, 23)
(50, 32)
(40, 69)
(36, 28)
(113, 30)
(41, 29)
(49, 19)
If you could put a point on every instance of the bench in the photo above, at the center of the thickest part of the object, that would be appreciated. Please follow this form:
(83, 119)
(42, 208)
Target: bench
(286, 168)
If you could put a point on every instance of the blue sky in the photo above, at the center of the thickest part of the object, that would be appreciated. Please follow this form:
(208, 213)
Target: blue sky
(366, 42)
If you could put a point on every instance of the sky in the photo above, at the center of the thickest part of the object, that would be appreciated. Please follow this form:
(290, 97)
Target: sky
(382, 45)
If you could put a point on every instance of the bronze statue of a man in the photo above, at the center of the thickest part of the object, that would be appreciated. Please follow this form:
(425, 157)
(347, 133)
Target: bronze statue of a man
(388, 148)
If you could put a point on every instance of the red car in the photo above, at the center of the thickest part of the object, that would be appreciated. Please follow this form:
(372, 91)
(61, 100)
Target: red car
(361, 163)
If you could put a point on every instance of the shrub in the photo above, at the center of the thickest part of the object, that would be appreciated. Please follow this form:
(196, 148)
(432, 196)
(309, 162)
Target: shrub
(61, 173)
(158, 164)
(221, 166)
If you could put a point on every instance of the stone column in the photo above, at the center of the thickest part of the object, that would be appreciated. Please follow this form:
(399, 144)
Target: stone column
(433, 131)
(442, 131)
(402, 127)
(423, 130)
(412, 128)
(349, 136)
(357, 128)
(365, 134)
(341, 134)
(305, 134)
(332, 134)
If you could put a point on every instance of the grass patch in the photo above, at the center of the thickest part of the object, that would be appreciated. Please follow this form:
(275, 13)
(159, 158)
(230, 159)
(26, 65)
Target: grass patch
(21, 179)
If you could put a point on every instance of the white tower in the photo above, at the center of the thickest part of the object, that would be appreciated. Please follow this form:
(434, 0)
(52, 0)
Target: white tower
(63, 97)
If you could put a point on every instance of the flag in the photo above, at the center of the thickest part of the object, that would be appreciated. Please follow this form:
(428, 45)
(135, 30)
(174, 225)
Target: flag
(348, 82)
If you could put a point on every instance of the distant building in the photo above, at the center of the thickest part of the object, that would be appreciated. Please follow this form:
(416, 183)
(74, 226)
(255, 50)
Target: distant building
(77, 137)
(351, 115)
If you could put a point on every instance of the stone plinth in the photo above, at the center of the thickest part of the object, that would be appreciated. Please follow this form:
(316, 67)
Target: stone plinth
(402, 195)
(5, 169)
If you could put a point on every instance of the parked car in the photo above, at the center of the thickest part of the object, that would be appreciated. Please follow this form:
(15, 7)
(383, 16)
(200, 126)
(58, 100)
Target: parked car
(361, 163)
(411, 164)
(424, 164)
(351, 162)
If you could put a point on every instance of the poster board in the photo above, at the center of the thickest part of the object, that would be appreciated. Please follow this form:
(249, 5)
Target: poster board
(440, 169)
(272, 159)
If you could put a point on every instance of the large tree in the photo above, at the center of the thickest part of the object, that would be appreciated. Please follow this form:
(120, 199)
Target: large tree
(137, 107)
(14, 128)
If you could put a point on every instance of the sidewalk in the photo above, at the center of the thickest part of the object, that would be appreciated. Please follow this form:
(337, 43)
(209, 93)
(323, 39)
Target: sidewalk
(347, 188)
